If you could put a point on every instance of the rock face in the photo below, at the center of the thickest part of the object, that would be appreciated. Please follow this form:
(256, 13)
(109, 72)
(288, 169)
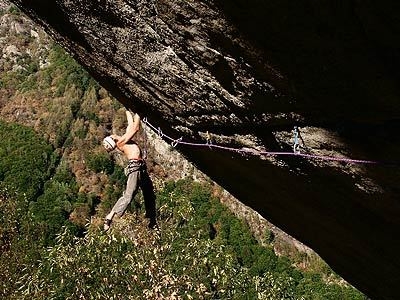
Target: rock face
(242, 74)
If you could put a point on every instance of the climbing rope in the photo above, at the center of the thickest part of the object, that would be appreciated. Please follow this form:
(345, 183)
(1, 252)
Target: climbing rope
(251, 151)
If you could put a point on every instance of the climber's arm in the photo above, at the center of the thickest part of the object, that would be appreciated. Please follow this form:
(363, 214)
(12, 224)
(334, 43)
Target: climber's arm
(131, 129)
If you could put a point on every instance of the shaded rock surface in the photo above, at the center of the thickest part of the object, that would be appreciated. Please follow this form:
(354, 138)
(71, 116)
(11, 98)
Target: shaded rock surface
(241, 74)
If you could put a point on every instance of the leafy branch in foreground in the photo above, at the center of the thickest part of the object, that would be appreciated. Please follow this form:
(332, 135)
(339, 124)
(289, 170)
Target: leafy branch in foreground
(180, 260)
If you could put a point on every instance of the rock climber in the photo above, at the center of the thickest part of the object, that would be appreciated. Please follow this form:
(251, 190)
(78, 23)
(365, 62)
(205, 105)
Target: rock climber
(135, 171)
(296, 140)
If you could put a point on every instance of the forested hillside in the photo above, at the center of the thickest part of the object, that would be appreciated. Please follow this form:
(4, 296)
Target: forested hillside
(57, 183)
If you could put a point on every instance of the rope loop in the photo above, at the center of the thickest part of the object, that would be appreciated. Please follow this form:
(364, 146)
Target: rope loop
(209, 142)
(242, 152)
(160, 133)
(144, 120)
(176, 142)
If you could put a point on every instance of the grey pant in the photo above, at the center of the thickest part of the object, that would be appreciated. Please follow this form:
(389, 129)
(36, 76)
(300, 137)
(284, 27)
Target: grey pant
(132, 187)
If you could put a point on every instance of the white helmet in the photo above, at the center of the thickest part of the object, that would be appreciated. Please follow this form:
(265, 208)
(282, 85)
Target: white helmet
(109, 143)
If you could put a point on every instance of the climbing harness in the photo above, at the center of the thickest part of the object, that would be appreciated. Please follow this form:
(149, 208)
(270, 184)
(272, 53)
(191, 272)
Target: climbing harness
(252, 151)
(133, 166)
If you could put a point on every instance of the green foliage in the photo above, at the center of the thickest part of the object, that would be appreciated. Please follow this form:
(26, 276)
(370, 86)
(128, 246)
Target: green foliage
(91, 199)
(181, 259)
(10, 214)
(64, 72)
(30, 83)
(114, 190)
(14, 10)
(100, 162)
(117, 176)
(24, 159)
(91, 116)
(51, 209)
(102, 266)
(216, 225)
(64, 174)
(23, 78)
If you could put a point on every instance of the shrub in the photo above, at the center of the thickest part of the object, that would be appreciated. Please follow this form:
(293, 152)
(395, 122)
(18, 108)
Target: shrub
(100, 162)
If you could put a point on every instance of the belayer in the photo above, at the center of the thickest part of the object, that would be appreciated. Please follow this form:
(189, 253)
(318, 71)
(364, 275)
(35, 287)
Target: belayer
(296, 140)
(135, 171)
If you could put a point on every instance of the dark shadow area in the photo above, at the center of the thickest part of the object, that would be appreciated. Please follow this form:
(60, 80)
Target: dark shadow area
(224, 74)
(356, 233)
(149, 196)
(342, 58)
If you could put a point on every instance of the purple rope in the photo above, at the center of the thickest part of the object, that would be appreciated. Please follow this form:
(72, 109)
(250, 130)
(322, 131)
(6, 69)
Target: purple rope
(349, 160)
(175, 142)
